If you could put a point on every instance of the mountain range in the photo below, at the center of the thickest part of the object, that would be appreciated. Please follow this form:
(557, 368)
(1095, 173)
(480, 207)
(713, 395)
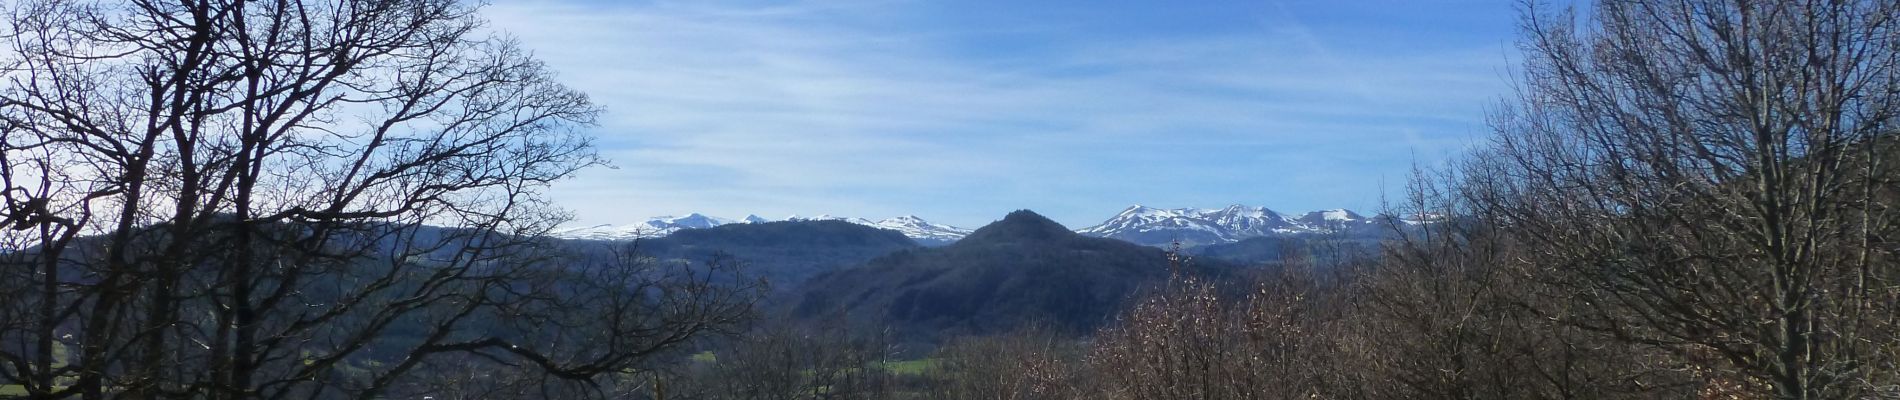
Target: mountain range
(924, 232)
(784, 253)
(1190, 227)
(1020, 271)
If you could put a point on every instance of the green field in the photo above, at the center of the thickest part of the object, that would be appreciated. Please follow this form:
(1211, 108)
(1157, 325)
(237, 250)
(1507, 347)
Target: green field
(59, 360)
(916, 367)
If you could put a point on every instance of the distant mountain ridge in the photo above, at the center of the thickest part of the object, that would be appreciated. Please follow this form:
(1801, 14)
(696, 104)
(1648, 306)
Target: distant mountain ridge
(911, 226)
(785, 253)
(1015, 272)
(1137, 224)
(652, 228)
(1204, 226)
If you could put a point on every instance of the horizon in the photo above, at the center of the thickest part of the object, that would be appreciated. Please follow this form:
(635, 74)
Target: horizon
(961, 113)
(740, 219)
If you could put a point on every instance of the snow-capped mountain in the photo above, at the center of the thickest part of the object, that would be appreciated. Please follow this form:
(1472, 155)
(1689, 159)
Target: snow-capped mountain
(916, 228)
(1200, 226)
(653, 227)
(1244, 222)
(910, 225)
(606, 232)
(690, 221)
(1333, 216)
(820, 217)
(1148, 225)
(1138, 224)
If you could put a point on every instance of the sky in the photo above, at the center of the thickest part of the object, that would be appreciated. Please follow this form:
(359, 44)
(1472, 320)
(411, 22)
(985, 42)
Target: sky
(962, 111)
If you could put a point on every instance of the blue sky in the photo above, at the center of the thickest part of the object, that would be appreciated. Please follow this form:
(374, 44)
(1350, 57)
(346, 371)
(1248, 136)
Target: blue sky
(961, 111)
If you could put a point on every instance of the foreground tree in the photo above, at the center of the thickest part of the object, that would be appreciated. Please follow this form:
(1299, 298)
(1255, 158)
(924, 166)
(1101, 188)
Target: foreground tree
(1189, 341)
(227, 199)
(1449, 311)
(1715, 180)
(785, 360)
(1023, 365)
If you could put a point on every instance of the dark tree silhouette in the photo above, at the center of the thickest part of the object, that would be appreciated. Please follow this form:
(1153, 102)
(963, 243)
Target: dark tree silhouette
(228, 199)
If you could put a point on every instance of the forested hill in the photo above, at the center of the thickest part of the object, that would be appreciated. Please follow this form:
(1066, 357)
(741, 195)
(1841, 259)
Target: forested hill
(785, 253)
(1022, 270)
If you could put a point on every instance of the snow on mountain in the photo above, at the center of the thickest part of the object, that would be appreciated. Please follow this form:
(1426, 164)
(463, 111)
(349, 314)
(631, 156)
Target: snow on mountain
(653, 227)
(1138, 224)
(1422, 218)
(919, 229)
(1156, 226)
(608, 232)
(690, 221)
(1199, 226)
(1245, 222)
(820, 217)
(1337, 215)
(910, 225)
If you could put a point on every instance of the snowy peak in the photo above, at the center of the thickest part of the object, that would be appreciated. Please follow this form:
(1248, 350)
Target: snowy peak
(690, 221)
(1336, 215)
(921, 230)
(1244, 222)
(605, 232)
(1137, 223)
(653, 227)
(1149, 225)
(1199, 226)
(910, 225)
(1422, 218)
(820, 217)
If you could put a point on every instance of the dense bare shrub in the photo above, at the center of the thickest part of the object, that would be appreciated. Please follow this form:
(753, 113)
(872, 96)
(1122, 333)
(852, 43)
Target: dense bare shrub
(1029, 364)
(1711, 180)
(1187, 341)
(1450, 310)
(785, 361)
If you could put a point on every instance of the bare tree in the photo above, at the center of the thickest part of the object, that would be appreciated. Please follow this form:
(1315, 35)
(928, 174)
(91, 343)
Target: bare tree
(1022, 365)
(228, 199)
(1449, 311)
(784, 360)
(1713, 179)
(1189, 341)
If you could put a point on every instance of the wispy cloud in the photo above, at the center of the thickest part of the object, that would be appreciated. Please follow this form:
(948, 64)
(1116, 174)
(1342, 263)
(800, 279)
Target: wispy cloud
(840, 107)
